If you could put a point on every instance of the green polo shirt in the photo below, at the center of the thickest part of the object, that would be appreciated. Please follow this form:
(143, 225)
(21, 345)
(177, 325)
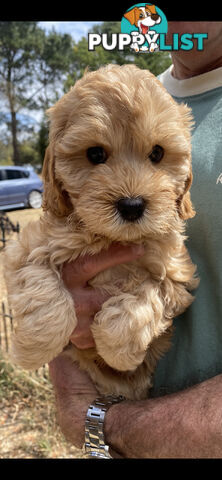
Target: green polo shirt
(196, 352)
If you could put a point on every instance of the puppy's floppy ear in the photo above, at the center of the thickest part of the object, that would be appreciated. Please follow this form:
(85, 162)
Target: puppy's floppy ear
(130, 16)
(55, 198)
(151, 9)
(185, 207)
(184, 204)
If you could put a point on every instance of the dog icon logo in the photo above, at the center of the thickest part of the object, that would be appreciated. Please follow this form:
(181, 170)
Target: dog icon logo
(142, 22)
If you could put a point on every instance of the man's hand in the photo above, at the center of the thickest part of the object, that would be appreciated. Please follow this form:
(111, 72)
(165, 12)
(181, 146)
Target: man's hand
(88, 300)
(74, 390)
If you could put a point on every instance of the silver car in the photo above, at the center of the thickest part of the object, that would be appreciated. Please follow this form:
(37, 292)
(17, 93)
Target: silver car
(19, 187)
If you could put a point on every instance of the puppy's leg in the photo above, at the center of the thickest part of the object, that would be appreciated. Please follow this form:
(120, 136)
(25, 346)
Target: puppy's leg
(43, 308)
(127, 324)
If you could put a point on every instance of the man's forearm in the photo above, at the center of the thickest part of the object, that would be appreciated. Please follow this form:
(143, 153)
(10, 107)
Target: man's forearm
(186, 424)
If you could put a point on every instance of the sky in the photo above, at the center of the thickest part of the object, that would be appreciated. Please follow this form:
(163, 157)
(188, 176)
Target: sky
(76, 29)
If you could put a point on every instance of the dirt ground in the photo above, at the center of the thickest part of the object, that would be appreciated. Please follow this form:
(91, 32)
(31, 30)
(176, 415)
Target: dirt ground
(28, 427)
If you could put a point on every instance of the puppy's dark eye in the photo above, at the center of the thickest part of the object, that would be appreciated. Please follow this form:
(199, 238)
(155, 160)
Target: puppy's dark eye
(96, 155)
(157, 154)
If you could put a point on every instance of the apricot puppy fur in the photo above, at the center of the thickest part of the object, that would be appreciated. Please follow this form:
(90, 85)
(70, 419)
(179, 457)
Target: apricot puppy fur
(117, 169)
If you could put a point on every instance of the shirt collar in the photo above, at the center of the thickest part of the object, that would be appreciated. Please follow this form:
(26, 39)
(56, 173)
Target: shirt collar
(191, 86)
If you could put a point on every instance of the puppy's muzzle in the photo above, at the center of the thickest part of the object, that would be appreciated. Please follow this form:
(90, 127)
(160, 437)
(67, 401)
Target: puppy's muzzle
(131, 209)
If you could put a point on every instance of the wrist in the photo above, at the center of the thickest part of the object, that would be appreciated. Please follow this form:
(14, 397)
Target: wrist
(124, 424)
(71, 414)
(113, 428)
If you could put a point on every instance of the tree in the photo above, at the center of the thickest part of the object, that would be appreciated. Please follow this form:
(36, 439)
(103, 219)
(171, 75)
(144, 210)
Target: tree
(42, 140)
(51, 66)
(5, 153)
(29, 153)
(31, 63)
(18, 41)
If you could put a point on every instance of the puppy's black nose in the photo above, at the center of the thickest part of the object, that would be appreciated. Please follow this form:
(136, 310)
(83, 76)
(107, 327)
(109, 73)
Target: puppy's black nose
(131, 209)
(155, 16)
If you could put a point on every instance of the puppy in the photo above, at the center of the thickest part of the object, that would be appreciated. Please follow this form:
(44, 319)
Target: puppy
(117, 169)
(143, 18)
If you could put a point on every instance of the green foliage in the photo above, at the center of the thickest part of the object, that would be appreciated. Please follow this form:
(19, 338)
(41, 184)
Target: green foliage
(19, 42)
(30, 61)
(52, 62)
(28, 56)
(42, 140)
(5, 154)
(29, 153)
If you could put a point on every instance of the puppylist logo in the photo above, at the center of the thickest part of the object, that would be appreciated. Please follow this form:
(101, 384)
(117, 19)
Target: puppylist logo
(143, 29)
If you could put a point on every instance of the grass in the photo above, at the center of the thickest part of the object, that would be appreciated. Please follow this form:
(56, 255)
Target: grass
(28, 427)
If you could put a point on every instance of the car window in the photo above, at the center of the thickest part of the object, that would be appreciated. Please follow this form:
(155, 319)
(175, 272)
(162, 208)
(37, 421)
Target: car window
(2, 175)
(25, 173)
(14, 174)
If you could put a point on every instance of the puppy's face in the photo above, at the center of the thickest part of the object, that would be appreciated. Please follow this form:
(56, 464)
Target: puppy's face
(143, 17)
(119, 155)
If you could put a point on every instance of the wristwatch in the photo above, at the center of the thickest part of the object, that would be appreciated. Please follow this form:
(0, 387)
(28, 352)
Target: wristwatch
(95, 446)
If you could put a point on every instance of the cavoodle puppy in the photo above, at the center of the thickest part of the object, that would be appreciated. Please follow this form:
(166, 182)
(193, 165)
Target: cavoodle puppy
(117, 169)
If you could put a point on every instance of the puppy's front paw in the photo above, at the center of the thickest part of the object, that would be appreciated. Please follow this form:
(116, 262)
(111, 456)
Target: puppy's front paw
(122, 332)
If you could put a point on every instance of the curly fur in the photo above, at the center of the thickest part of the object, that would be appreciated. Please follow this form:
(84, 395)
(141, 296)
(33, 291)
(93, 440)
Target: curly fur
(126, 111)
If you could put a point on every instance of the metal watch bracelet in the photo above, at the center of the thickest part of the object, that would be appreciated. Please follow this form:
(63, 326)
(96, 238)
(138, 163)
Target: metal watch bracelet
(95, 446)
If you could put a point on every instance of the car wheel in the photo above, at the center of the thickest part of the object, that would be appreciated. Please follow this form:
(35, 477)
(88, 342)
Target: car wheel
(35, 199)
